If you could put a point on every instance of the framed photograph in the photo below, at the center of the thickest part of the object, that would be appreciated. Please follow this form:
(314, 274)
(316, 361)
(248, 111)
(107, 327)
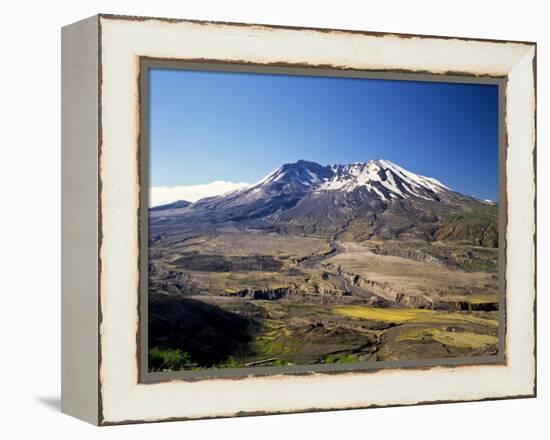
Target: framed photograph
(263, 219)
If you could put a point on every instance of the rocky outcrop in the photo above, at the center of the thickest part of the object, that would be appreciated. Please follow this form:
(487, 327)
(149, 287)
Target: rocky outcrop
(383, 290)
(465, 306)
(324, 296)
(172, 281)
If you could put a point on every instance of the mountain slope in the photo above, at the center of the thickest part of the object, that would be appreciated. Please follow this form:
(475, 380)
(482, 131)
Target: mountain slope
(374, 199)
(174, 205)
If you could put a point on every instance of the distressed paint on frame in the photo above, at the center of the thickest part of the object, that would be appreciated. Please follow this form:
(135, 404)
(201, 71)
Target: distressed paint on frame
(103, 188)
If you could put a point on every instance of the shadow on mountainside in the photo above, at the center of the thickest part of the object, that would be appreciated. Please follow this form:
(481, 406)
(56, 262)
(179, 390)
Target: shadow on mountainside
(206, 333)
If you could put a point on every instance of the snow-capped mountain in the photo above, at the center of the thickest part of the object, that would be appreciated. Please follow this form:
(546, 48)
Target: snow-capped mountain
(380, 178)
(380, 196)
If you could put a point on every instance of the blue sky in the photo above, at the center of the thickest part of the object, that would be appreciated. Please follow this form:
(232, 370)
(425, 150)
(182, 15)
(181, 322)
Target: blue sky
(237, 127)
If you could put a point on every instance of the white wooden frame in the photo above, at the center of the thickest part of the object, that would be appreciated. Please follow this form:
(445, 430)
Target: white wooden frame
(101, 64)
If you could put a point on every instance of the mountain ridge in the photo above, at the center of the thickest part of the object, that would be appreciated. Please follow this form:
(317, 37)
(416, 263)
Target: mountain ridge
(373, 199)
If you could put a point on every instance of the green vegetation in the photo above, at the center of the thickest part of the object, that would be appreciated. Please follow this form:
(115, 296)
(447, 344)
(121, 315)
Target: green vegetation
(229, 363)
(341, 359)
(420, 316)
(275, 340)
(161, 359)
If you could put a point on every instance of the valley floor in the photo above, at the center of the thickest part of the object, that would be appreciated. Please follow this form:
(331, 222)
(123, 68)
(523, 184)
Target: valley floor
(246, 299)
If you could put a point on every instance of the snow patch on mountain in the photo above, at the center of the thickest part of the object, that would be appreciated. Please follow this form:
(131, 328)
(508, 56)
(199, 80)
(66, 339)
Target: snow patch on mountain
(379, 175)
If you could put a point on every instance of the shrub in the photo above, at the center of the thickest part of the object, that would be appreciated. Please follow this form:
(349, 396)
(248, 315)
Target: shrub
(342, 359)
(229, 363)
(161, 359)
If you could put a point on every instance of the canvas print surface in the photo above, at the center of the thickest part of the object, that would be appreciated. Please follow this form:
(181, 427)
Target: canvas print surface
(302, 220)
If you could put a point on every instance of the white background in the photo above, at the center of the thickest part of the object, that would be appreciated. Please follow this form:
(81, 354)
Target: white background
(30, 217)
